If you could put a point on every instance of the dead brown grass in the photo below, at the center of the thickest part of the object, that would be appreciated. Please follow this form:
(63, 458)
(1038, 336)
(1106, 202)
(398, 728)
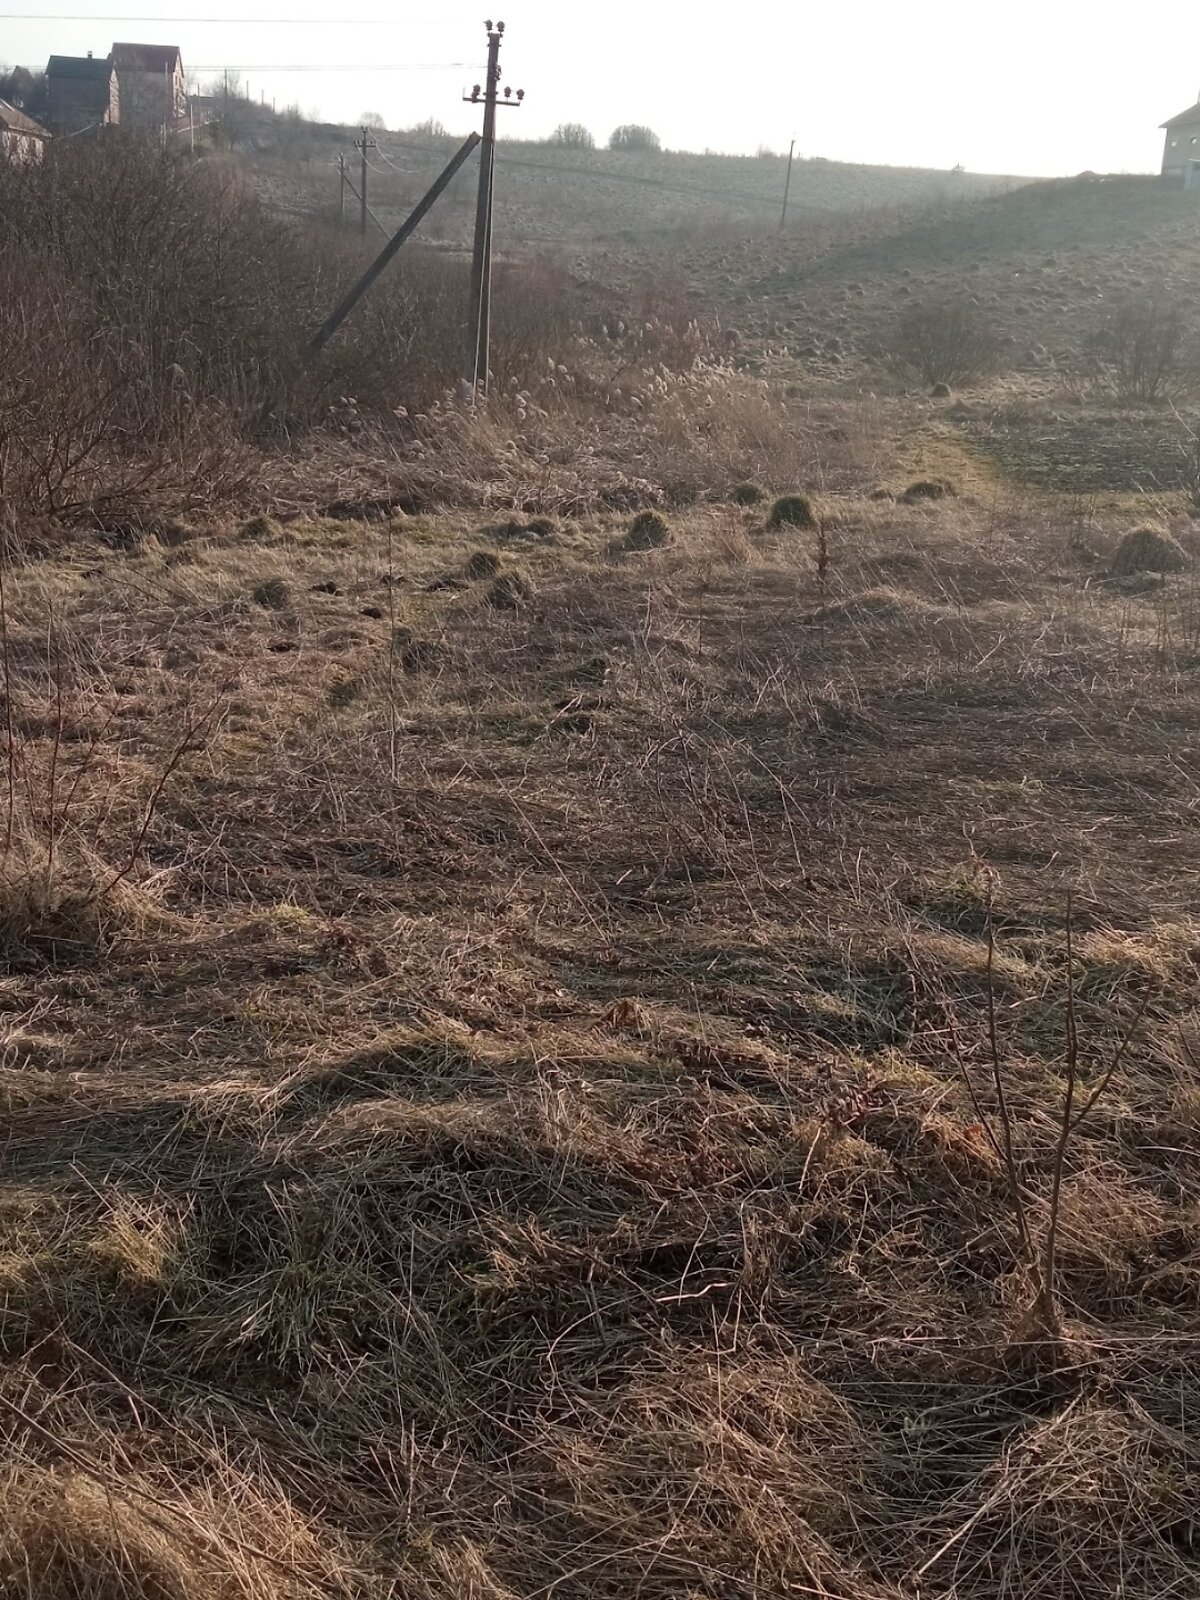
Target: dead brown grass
(532, 1149)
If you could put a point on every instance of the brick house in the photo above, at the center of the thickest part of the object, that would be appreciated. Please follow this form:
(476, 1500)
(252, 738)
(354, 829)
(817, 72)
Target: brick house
(151, 83)
(81, 93)
(21, 138)
(1181, 152)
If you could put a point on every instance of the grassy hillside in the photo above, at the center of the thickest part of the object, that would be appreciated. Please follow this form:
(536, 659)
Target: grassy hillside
(1042, 267)
(1041, 260)
(550, 194)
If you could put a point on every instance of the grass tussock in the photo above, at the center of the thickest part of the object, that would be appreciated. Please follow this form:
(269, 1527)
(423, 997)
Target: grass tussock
(792, 511)
(64, 906)
(1147, 550)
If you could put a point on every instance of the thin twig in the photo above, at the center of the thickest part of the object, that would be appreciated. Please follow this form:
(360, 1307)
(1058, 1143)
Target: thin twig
(156, 794)
(11, 763)
(1006, 1123)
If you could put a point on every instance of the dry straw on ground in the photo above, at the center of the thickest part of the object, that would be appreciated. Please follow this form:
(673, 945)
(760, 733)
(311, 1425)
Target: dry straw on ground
(541, 1139)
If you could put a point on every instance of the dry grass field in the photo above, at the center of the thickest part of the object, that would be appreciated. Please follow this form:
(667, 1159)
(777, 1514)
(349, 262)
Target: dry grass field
(570, 1027)
(497, 1085)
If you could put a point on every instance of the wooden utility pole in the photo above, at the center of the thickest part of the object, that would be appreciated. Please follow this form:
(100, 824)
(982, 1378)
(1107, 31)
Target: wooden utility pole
(362, 146)
(341, 192)
(787, 188)
(480, 336)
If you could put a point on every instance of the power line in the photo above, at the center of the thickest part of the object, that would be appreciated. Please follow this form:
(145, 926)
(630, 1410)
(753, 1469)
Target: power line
(371, 66)
(281, 22)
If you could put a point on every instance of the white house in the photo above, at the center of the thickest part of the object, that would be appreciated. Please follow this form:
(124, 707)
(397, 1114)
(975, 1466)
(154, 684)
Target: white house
(152, 85)
(1181, 153)
(21, 138)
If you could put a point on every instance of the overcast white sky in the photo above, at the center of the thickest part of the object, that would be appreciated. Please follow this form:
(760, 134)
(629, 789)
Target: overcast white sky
(1027, 86)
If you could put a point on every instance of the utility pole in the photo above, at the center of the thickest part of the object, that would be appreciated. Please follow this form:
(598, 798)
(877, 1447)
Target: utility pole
(362, 146)
(787, 188)
(341, 192)
(479, 341)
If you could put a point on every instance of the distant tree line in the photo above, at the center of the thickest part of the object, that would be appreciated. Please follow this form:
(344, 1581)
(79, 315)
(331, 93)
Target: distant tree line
(629, 136)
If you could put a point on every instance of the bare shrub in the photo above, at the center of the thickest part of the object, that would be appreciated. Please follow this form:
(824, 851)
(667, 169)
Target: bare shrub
(153, 321)
(634, 136)
(431, 128)
(1189, 447)
(945, 341)
(573, 136)
(65, 887)
(1144, 350)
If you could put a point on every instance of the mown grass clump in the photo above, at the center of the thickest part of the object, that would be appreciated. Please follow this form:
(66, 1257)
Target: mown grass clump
(792, 511)
(273, 594)
(926, 489)
(262, 529)
(1148, 550)
(649, 530)
(511, 591)
(482, 564)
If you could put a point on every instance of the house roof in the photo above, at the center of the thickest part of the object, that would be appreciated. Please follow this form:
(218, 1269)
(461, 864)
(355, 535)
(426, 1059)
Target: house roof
(17, 122)
(146, 57)
(1192, 114)
(98, 68)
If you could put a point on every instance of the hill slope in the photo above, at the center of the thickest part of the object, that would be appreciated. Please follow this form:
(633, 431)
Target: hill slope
(1040, 259)
(552, 193)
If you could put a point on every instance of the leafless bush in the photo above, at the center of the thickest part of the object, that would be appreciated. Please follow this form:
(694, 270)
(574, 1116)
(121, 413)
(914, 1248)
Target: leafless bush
(574, 136)
(634, 136)
(153, 320)
(1144, 350)
(945, 341)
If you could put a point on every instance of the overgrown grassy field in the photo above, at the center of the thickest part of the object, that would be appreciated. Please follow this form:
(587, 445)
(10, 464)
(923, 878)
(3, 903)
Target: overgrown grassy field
(599, 990)
(497, 1086)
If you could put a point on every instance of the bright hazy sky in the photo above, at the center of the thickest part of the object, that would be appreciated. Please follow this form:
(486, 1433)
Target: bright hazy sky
(1026, 86)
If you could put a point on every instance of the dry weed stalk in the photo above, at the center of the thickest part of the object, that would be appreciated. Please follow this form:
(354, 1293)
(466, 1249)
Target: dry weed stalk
(1042, 1322)
(56, 886)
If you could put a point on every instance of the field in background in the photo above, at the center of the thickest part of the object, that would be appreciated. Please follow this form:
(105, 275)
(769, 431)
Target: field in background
(562, 196)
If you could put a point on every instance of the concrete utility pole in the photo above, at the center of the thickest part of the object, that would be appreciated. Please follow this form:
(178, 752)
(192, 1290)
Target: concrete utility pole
(480, 337)
(787, 187)
(362, 146)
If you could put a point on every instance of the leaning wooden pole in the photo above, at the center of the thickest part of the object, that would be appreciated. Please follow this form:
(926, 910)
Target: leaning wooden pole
(407, 228)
